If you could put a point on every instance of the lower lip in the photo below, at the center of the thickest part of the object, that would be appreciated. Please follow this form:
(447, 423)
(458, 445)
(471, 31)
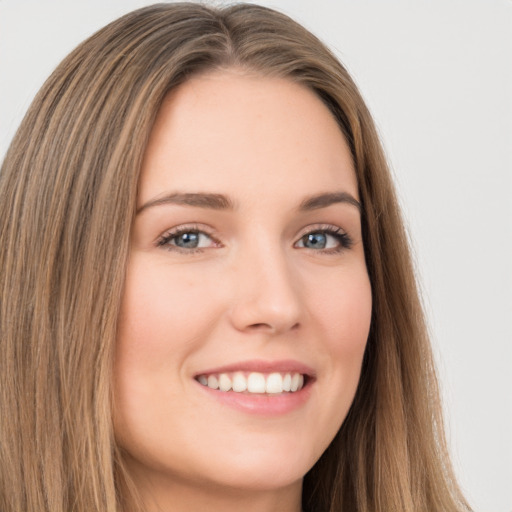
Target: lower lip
(264, 405)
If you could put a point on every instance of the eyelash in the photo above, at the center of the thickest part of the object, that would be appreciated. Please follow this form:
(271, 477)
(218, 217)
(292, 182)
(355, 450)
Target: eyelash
(344, 240)
(164, 240)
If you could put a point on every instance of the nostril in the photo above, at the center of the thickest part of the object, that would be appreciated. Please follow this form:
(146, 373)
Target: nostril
(261, 326)
(269, 327)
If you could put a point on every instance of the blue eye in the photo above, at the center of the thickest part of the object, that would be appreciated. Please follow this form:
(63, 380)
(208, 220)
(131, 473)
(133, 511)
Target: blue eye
(190, 239)
(187, 240)
(315, 240)
(330, 240)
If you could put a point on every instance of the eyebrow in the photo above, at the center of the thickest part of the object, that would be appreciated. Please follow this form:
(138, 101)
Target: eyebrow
(222, 202)
(199, 200)
(327, 199)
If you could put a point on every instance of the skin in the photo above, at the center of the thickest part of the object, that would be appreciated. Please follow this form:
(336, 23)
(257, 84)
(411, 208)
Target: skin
(254, 290)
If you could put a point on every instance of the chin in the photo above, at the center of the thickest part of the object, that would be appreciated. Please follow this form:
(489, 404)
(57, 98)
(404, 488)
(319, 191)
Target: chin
(279, 464)
(263, 473)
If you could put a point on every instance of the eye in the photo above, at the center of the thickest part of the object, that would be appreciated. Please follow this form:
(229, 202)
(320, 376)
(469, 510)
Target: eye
(186, 239)
(330, 240)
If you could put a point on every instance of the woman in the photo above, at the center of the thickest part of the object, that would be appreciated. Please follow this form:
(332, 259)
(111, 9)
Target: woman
(208, 301)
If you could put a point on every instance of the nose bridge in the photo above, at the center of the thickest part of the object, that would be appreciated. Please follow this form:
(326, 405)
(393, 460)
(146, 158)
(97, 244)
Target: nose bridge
(267, 293)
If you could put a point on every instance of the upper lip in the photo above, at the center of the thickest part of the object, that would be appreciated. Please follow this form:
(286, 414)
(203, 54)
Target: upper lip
(262, 366)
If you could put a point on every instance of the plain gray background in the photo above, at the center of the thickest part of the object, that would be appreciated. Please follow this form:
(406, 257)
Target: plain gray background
(437, 77)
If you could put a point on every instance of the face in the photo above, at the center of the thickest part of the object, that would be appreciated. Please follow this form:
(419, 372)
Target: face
(247, 301)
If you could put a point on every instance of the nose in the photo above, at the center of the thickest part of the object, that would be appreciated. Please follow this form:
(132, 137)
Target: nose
(267, 295)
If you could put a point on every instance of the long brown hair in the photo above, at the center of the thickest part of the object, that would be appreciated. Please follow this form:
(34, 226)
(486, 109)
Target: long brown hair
(68, 189)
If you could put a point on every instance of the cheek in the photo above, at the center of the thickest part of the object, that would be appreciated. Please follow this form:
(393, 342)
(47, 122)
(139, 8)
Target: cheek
(353, 322)
(343, 310)
(158, 328)
(163, 318)
(161, 315)
(343, 316)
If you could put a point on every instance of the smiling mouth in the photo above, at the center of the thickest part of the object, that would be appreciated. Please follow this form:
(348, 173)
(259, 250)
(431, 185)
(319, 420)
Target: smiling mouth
(274, 383)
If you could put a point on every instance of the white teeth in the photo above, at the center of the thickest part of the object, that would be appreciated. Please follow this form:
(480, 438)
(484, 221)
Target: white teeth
(213, 382)
(224, 382)
(287, 382)
(295, 382)
(255, 382)
(274, 383)
(239, 382)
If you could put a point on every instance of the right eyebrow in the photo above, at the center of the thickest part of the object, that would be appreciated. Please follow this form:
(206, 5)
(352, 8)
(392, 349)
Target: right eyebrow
(199, 200)
(327, 199)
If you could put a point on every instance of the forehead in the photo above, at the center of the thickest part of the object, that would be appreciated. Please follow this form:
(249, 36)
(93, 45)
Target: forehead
(231, 132)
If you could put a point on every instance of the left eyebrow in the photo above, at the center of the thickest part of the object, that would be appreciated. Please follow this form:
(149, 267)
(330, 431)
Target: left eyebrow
(199, 200)
(327, 199)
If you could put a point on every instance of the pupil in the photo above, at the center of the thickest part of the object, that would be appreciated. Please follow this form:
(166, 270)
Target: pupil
(316, 240)
(188, 240)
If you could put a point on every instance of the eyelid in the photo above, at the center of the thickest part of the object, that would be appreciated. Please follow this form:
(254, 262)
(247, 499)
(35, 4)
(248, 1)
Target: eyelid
(314, 228)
